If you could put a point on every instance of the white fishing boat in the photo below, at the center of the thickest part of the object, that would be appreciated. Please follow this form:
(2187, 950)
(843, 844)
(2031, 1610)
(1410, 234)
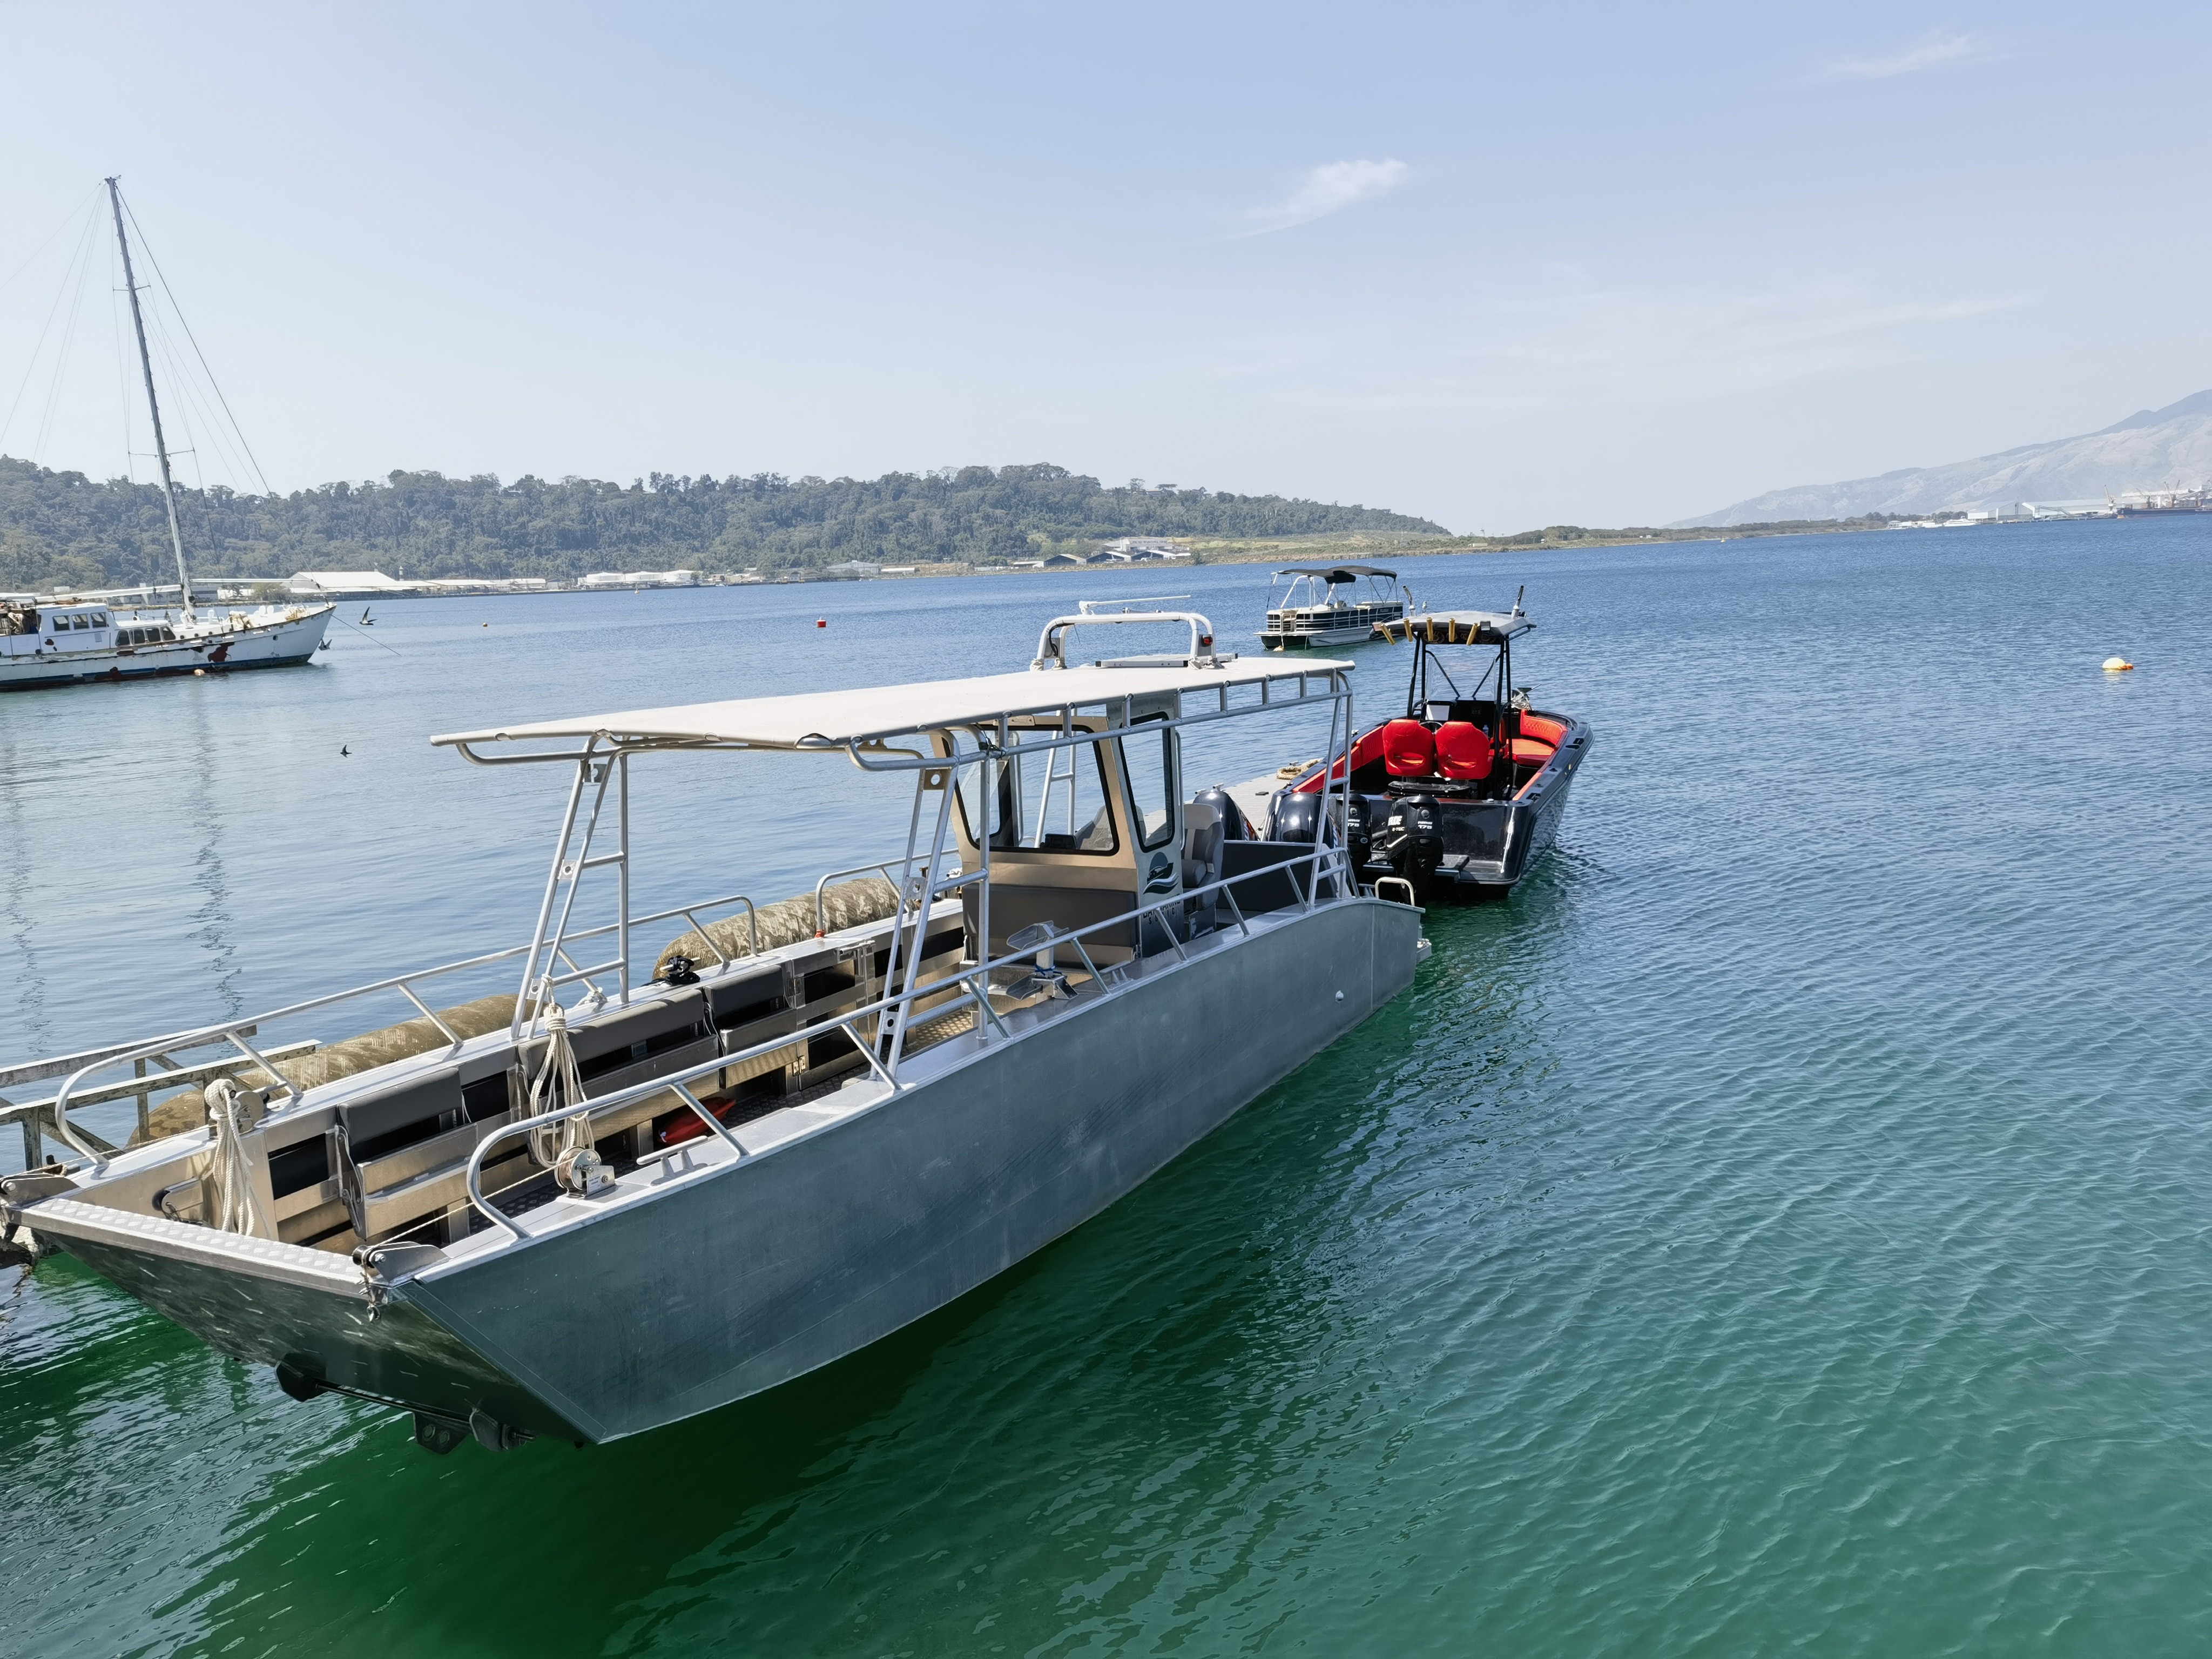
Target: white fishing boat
(614, 1195)
(1325, 604)
(66, 641)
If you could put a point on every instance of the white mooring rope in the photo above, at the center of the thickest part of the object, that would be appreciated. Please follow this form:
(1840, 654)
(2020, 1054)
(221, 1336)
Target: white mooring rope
(233, 1201)
(558, 1085)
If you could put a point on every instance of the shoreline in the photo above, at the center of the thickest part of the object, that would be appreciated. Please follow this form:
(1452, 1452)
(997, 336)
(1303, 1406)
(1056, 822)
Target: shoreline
(1363, 547)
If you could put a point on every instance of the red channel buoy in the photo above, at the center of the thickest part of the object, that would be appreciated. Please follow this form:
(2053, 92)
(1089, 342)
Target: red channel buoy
(821, 622)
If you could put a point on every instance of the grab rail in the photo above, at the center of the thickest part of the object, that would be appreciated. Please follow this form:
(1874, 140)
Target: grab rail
(1052, 643)
(820, 917)
(234, 1032)
(1335, 860)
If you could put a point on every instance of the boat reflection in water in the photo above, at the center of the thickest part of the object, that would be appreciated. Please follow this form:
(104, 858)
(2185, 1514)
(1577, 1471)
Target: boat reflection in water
(616, 1194)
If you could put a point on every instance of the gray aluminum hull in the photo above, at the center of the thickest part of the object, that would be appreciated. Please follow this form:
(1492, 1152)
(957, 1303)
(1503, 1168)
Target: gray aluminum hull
(738, 1278)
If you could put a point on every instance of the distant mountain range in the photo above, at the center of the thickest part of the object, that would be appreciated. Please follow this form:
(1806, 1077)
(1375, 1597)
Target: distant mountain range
(2150, 450)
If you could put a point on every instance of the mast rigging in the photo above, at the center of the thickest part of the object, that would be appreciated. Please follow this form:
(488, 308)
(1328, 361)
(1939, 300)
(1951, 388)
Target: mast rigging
(153, 405)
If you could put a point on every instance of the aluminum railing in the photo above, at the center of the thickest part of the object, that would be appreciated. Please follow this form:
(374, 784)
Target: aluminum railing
(886, 867)
(1335, 863)
(235, 1032)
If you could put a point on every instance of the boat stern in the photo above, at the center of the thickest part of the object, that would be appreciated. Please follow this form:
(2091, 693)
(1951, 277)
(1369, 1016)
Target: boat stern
(327, 1323)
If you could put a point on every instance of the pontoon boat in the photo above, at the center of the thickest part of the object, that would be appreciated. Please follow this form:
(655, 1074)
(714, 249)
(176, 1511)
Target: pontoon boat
(1324, 606)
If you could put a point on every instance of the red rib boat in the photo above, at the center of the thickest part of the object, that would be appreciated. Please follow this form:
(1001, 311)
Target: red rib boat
(1462, 794)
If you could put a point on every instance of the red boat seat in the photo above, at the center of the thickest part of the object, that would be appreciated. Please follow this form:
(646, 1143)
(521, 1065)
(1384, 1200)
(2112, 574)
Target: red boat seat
(1543, 729)
(1527, 751)
(1463, 751)
(1409, 750)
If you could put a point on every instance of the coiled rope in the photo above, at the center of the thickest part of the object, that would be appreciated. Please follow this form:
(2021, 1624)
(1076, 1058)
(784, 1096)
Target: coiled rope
(556, 1086)
(233, 1201)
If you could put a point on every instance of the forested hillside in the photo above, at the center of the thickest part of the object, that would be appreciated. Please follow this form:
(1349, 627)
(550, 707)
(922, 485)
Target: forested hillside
(63, 528)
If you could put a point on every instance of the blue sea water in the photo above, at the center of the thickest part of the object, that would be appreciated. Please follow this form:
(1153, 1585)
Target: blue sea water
(1782, 1226)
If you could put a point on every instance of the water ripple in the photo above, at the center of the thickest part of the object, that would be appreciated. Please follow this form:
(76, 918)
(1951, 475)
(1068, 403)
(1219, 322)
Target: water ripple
(1780, 1227)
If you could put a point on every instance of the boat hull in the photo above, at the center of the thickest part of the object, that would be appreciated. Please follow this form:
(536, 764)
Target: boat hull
(1286, 639)
(1302, 629)
(754, 1272)
(1490, 846)
(277, 645)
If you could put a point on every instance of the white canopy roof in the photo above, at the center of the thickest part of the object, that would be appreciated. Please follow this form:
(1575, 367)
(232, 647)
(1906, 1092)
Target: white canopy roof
(818, 719)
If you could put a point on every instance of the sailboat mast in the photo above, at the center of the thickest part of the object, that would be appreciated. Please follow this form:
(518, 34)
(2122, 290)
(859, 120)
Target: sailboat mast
(153, 405)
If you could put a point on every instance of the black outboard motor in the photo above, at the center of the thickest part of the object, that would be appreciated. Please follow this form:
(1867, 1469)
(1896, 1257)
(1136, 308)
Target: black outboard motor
(1225, 812)
(1413, 842)
(1359, 831)
(1294, 817)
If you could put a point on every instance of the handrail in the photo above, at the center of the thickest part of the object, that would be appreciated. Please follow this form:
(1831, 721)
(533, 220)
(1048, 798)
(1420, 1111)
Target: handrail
(63, 1065)
(1051, 651)
(820, 917)
(752, 921)
(231, 1030)
(474, 1177)
(181, 1077)
(1335, 858)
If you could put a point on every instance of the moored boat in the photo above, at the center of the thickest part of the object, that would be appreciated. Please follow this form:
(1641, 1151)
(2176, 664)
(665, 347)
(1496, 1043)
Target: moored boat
(65, 642)
(1325, 604)
(614, 1195)
(1461, 794)
(62, 642)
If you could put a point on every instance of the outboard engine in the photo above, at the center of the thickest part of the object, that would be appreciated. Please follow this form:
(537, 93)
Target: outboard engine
(1294, 817)
(1359, 831)
(1225, 812)
(1413, 841)
(1211, 818)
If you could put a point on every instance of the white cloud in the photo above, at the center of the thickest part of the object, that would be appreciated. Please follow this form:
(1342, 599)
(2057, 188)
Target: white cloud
(1936, 50)
(1326, 189)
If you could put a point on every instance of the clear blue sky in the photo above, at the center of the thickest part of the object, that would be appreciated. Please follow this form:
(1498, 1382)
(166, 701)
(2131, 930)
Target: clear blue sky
(1498, 265)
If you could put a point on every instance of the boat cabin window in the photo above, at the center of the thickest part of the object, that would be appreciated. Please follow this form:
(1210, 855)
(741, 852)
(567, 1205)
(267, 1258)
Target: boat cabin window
(1050, 800)
(1148, 763)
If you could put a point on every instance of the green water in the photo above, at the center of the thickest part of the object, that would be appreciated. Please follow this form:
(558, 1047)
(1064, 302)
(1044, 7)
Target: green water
(1781, 1227)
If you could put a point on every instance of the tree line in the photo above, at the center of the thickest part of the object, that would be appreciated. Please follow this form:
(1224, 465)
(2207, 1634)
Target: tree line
(64, 529)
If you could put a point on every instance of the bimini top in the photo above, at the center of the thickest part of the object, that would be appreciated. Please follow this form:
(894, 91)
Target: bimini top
(1336, 574)
(831, 720)
(1459, 627)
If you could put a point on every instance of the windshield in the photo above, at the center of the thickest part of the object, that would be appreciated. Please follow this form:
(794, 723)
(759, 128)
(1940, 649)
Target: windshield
(1048, 799)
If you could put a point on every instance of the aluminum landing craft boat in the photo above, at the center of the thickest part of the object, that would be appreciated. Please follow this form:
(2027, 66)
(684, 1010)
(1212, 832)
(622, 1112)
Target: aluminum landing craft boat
(803, 1128)
(1323, 606)
(1462, 794)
